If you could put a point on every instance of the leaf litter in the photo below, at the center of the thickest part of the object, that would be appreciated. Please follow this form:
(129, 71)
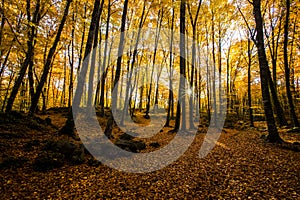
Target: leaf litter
(241, 166)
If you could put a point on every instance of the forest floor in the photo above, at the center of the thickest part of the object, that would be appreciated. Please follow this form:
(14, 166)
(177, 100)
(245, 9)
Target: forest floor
(241, 166)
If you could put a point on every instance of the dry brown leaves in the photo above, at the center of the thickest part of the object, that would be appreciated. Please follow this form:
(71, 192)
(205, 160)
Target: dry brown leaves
(240, 166)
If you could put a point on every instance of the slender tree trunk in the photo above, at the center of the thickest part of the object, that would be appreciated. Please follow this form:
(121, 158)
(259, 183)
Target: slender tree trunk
(220, 65)
(71, 62)
(280, 113)
(136, 95)
(93, 59)
(194, 27)
(1, 71)
(30, 45)
(249, 82)
(287, 67)
(5, 61)
(208, 78)
(82, 39)
(291, 61)
(104, 61)
(214, 95)
(129, 88)
(31, 80)
(97, 96)
(69, 125)
(11, 77)
(51, 53)
(274, 50)
(273, 135)
(157, 84)
(228, 78)
(273, 83)
(170, 100)
(198, 80)
(181, 106)
(109, 125)
(88, 49)
(3, 20)
(158, 28)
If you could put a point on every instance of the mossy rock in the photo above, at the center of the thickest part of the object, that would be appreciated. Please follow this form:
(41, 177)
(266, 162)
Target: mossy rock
(62, 146)
(48, 161)
(12, 162)
(78, 156)
(130, 145)
(155, 144)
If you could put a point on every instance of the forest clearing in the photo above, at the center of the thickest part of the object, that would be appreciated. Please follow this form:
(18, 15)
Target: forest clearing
(161, 99)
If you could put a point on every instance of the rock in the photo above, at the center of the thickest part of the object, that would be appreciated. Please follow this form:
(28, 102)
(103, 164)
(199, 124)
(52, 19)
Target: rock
(77, 159)
(12, 162)
(73, 154)
(64, 147)
(126, 137)
(78, 156)
(130, 145)
(94, 162)
(68, 129)
(48, 161)
(48, 121)
(155, 144)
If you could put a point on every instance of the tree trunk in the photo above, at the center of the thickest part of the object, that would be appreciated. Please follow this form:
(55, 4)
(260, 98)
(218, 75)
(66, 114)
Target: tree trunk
(88, 49)
(69, 125)
(249, 82)
(3, 20)
(194, 26)
(158, 28)
(278, 108)
(110, 123)
(208, 78)
(49, 59)
(104, 62)
(287, 67)
(93, 59)
(82, 39)
(214, 96)
(129, 88)
(274, 51)
(29, 54)
(11, 77)
(71, 62)
(170, 100)
(273, 135)
(181, 106)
